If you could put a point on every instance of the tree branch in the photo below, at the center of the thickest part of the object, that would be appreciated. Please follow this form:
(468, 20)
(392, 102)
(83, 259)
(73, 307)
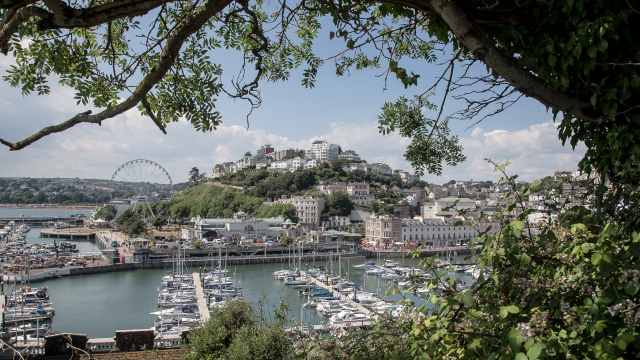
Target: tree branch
(167, 58)
(11, 26)
(471, 36)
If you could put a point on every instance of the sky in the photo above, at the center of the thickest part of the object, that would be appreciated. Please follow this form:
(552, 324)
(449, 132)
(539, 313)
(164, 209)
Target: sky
(340, 110)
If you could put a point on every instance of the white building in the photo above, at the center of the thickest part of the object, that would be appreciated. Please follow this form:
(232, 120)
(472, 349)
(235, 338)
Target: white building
(282, 164)
(297, 162)
(358, 189)
(436, 232)
(407, 177)
(381, 169)
(356, 166)
(311, 164)
(322, 150)
(350, 156)
(434, 209)
(308, 208)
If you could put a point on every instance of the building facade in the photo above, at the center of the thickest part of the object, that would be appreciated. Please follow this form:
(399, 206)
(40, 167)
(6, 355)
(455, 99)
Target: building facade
(383, 230)
(281, 154)
(322, 150)
(349, 156)
(381, 169)
(308, 208)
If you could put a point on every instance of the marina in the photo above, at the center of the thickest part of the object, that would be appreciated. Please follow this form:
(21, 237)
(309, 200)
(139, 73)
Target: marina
(120, 300)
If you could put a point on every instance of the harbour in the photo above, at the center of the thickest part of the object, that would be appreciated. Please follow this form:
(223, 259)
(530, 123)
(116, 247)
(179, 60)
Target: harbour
(121, 296)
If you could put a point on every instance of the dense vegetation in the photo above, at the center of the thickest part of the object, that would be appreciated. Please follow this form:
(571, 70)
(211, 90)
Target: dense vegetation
(210, 201)
(238, 331)
(131, 224)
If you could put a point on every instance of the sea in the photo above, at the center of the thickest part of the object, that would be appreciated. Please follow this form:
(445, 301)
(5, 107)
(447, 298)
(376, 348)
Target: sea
(100, 304)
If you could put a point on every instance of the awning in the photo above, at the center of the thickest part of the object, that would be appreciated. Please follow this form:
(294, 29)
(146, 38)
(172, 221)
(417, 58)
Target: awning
(364, 241)
(413, 244)
(398, 243)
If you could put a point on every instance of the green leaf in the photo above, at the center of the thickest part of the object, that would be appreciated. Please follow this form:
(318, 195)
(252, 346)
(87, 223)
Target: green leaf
(504, 313)
(517, 225)
(467, 298)
(332, 35)
(512, 309)
(596, 258)
(603, 44)
(631, 288)
(551, 60)
(592, 51)
(586, 247)
(634, 249)
(535, 351)
(536, 183)
(350, 44)
(521, 356)
(595, 310)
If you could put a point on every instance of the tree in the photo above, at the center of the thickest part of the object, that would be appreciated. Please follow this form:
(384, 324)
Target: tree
(574, 58)
(131, 224)
(235, 331)
(248, 153)
(194, 175)
(107, 213)
(338, 204)
(158, 222)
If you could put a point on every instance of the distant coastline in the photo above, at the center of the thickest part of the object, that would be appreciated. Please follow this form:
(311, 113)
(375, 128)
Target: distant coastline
(48, 207)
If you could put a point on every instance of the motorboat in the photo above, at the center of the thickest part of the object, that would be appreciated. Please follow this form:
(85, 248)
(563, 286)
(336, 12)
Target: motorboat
(177, 311)
(299, 280)
(346, 317)
(390, 263)
(365, 266)
(392, 275)
(375, 271)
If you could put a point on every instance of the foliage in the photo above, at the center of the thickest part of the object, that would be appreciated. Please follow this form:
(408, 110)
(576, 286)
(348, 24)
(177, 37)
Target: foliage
(236, 331)
(210, 201)
(287, 211)
(131, 224)
(194, 175)
(338, 204)
(286, 240)
(106, 213)
(565, 290)
(158, 222)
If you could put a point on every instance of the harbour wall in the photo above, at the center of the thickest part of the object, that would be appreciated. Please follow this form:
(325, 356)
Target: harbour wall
(231, 260)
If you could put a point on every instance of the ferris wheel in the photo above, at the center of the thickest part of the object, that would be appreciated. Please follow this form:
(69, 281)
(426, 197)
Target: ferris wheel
(141, 182)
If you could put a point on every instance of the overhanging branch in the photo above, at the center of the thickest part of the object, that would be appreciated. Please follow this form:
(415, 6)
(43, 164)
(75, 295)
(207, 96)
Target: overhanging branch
(167, 58)
(472, 37)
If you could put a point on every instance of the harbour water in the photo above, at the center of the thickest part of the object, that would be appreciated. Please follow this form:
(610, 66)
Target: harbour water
(100, 304)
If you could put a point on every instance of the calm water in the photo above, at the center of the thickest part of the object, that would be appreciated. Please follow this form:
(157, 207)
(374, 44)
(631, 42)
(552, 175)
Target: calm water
(100, 304)
(41, 212)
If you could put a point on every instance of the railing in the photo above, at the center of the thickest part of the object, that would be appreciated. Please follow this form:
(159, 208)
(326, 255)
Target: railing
(30, 350)
(101, 345)
(168, 342)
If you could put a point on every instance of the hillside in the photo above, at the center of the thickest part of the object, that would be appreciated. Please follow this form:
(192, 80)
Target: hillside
(211, 201)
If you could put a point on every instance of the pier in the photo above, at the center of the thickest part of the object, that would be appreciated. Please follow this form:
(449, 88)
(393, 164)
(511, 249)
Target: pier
(67, 234)
(342, 297)
(202, 302)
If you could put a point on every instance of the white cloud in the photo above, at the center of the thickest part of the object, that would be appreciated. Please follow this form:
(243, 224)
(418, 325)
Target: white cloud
(534, 153)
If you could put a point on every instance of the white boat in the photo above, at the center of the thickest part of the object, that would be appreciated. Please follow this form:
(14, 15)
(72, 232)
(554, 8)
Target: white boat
(176, 311)
(375, 271)
(364, 297)
(392, 275)
(365, 266)
(346, 317)
(296, 280)
(390, 263)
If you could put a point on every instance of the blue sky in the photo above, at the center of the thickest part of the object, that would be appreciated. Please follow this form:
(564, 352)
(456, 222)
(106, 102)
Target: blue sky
(341, 110)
